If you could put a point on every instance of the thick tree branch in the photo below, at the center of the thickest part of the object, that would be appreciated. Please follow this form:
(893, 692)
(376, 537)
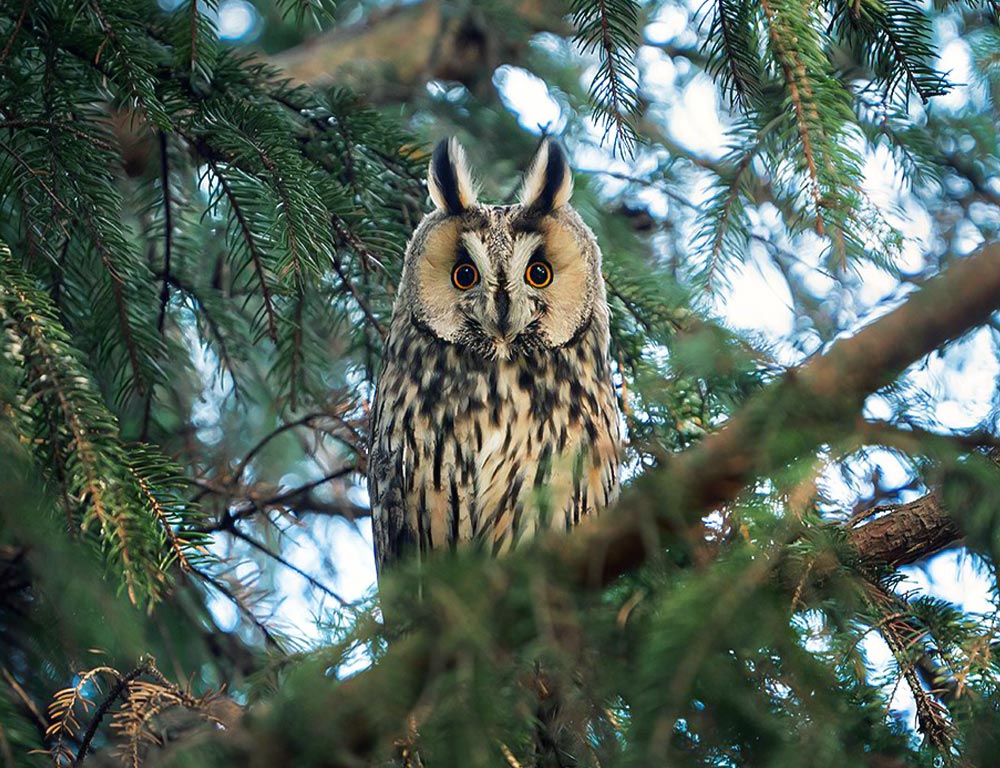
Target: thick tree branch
(901, 534)
(395, 51)
(820, 400)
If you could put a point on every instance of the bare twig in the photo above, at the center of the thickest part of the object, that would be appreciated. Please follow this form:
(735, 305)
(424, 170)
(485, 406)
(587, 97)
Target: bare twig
(260, 547)
(117, 690)
(269, 639)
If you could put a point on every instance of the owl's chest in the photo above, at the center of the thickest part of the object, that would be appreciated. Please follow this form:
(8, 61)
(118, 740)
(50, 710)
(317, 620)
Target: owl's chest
(488, 429)
(492, 451)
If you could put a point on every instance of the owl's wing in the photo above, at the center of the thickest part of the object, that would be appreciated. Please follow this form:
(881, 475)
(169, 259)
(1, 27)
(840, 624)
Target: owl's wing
(394, 529)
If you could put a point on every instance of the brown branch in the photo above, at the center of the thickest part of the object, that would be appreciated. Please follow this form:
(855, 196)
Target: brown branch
(892, 535)
(820, 399)
(394, 51)
(901, 534)
(14, 32)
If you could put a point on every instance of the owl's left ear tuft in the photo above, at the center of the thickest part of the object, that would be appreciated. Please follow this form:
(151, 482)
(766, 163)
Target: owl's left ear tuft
(449, 179)
(549, 183)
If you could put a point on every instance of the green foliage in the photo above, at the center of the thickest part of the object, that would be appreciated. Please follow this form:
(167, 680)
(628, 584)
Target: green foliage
(734, 51)
(128, 499)
(200, 265)
(895, 40)
(609, 28)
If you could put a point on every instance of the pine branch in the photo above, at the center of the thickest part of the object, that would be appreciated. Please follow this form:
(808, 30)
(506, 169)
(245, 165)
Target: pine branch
(734, 51)
(895, 37)
(610, 27)
(784, 40)
(87, 218)
(29, 312)
(122, 493)
(251, 245)
(906, 643)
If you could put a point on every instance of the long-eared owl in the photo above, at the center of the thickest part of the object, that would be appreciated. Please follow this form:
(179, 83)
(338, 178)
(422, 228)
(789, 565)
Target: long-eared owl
(495, 416)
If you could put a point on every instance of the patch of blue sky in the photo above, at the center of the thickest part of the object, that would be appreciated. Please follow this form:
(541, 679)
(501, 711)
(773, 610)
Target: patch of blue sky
(237, 20)
(528, 97)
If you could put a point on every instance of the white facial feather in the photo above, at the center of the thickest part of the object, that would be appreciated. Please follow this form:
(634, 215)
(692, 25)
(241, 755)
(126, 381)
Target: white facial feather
(480, 255)
(523, 249)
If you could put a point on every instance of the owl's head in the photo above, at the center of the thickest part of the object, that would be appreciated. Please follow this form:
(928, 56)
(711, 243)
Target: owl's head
(502, 280)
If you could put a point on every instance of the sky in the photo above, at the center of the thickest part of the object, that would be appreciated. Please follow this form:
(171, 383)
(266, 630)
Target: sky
(756, 299)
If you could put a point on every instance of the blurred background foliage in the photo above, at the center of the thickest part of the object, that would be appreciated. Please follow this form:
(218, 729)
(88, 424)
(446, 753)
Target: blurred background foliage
(203, 207)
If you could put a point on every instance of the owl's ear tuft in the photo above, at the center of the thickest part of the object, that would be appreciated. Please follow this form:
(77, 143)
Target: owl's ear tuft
(449, 179)
(549, 183)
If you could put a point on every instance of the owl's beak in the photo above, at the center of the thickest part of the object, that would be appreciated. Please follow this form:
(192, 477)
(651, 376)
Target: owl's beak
(503, 311)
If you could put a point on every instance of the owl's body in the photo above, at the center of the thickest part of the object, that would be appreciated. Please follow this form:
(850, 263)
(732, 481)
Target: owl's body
(495, 416)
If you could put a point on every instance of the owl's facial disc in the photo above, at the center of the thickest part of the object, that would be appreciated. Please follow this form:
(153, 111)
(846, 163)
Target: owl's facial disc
(502, 281)
(499, 308)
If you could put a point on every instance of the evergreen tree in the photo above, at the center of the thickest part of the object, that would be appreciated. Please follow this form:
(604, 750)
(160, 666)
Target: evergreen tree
(199, 243)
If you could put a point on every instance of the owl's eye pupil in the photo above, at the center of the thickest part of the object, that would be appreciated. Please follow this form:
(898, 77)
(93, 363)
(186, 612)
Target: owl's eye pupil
(539, 274)
(465, 275)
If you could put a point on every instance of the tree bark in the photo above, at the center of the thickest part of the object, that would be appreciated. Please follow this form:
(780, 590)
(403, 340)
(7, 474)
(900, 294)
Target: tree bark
(902, 534)
(393, 53)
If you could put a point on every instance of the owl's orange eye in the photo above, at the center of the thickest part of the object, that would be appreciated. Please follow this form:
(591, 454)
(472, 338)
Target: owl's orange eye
(465, 275)
(538, 274)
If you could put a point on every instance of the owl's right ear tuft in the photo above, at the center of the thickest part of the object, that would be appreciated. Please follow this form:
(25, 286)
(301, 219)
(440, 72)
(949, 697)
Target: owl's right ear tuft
(449, 179)
(549, 182)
